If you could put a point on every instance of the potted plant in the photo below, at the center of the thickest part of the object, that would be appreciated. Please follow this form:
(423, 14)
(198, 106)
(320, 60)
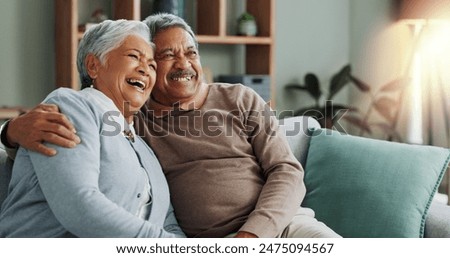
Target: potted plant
(385, 101)
(247, 25)
(329, 112)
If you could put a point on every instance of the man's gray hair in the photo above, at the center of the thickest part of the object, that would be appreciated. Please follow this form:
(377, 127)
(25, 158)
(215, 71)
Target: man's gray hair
(104, 37)
(162, 21)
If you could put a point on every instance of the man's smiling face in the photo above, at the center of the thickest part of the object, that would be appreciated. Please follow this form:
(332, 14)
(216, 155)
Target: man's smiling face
(179, 73)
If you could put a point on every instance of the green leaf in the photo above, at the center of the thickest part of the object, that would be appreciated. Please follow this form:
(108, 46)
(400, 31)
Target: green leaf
(295, 87)
(360, 84)
(313, 86)
(385, 106)
(246, 17)
(339, 80)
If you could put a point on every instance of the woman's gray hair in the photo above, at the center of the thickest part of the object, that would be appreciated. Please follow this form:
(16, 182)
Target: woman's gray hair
(162, 21)
(104, 37)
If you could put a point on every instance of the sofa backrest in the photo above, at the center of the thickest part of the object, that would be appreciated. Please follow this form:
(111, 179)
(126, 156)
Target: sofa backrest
(296, 130)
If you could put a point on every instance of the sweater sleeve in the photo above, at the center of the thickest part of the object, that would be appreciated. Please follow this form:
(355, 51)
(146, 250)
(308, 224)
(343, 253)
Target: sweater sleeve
(10, 151)
(284, 189)
(69, 181)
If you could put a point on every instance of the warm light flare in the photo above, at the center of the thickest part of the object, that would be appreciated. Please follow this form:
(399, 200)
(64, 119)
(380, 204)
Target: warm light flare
(429, 73)
(427, 99)
(435, 44)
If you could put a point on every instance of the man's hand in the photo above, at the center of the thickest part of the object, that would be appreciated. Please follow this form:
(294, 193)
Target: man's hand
(42, 123)
(243, 234)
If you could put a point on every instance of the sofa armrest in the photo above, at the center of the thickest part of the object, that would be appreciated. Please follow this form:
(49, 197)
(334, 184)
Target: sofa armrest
(438, 221)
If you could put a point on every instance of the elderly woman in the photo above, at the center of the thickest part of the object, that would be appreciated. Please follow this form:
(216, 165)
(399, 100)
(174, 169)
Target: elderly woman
(110, 185)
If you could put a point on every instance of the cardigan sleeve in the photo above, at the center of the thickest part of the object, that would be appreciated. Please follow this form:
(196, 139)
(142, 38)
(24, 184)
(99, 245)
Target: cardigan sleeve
(69, 181)
(171, 224)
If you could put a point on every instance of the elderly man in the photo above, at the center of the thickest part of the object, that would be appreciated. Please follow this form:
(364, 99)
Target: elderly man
(230, 172)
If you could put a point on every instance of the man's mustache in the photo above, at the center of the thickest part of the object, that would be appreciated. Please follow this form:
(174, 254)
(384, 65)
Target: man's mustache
(182, 73)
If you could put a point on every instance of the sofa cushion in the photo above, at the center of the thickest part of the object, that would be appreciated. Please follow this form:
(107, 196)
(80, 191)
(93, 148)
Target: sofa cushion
(363, 187)
(438, 221)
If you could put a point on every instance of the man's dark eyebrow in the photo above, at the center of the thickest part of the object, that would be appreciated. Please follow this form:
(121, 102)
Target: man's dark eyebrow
(171, 49)
(166, 50)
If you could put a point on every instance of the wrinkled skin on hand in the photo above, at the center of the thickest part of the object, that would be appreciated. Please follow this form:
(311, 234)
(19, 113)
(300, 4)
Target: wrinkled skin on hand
(43, 123)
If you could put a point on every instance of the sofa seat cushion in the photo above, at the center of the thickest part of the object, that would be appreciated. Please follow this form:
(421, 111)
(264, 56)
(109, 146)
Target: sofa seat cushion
(362, 187)
(438, 221)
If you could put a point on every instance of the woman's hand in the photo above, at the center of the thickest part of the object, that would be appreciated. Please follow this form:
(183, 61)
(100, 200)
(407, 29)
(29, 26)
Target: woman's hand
(43, 123)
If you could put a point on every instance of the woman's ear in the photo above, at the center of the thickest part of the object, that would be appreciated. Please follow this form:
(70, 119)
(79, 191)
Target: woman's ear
(92, 65)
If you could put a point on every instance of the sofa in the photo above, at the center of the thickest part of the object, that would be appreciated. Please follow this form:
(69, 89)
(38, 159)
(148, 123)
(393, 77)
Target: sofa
(336, 203)
(301, 133)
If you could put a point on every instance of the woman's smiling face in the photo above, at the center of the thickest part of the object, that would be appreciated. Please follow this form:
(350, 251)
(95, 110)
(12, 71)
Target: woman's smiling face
(128, 74)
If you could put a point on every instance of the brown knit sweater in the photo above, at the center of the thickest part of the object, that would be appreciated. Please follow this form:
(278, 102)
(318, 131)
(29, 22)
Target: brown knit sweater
(227, 165)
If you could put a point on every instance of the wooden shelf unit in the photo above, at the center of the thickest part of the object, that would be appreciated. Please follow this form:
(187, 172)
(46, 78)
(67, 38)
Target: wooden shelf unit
(211, 29)
(67, 36)
(259, 50)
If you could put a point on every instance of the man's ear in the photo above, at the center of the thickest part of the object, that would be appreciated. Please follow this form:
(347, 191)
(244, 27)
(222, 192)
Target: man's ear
(93, 65)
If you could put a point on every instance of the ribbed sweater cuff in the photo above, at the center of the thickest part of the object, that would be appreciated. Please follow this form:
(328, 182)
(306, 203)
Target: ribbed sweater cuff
(260, 226)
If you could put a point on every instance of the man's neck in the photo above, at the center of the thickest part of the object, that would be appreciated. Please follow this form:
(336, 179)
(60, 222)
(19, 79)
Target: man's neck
(196, 102)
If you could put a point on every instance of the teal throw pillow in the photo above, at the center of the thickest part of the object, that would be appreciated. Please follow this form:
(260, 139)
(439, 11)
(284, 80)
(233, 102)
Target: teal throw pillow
(362, 187)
